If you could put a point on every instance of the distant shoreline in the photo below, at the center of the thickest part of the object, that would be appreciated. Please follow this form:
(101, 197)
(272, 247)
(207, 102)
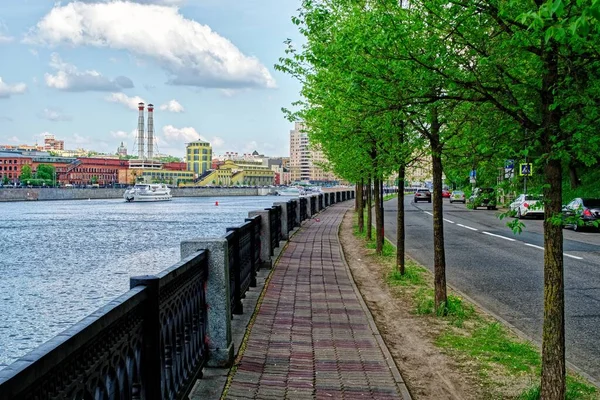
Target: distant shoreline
(49, 194)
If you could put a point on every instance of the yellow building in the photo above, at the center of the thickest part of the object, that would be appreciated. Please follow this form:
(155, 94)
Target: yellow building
(239, 173)
(151, 175)
(198, 157)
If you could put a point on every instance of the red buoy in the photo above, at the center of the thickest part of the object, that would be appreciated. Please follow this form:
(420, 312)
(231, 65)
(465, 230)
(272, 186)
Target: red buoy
(216, 203)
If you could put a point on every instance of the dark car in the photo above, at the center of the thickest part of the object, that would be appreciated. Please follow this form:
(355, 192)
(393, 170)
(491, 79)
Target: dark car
(581, 212)
(423, 194)
(483, 197)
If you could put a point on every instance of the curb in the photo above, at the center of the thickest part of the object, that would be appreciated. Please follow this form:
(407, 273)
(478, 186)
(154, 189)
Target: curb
(403, 389)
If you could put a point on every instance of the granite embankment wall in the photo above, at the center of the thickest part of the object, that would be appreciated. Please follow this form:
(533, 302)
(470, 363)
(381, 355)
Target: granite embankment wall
(13, 194)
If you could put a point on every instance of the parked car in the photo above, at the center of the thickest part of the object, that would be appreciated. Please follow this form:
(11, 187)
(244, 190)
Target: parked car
(445, 193)
(483, 197)
(422, 194)
(458, 196)
(528, 205)
(581, 213)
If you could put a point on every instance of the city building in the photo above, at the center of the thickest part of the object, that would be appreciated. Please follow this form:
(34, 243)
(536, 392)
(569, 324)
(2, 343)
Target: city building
(198, 157)
(11, 163)
(122, 150)
(306, 162)
(238, 173)
(51, 143)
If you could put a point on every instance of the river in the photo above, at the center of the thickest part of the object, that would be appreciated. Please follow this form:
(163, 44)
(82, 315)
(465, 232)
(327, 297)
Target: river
(61, 260)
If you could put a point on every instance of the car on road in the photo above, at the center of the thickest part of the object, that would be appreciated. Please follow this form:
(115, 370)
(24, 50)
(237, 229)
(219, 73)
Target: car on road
(422, 194)
(483, 197)
(458, 196)
(527, 205)
(445, 193)
(581, 212)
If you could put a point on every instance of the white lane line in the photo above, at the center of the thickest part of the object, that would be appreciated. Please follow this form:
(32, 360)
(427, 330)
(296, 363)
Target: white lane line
(428, 213)
(572, 256)
(533, 245)
(468, 227)
(447, 220)
(499, 236)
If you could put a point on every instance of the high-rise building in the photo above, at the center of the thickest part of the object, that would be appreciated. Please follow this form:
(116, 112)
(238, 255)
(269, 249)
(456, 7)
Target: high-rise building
(198, 157)
(50, 143)
(306, 162)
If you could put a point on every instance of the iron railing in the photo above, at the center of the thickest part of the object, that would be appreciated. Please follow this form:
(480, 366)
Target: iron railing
(274, 227)
(149, 343)
(291, 214)
(338, 197)
(313, 205)
(321, 201)
(241, 256)
(303, 208)
(256, 228)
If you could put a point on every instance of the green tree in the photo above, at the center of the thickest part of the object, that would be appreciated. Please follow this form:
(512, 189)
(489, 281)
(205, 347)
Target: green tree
(94, 179)
(25, 173)
(5, 180)
(46, 172)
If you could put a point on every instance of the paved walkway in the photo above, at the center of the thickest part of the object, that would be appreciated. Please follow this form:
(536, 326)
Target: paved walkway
(313, 337)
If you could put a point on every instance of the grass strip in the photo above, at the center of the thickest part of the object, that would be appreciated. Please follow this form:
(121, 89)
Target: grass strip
(469, 334)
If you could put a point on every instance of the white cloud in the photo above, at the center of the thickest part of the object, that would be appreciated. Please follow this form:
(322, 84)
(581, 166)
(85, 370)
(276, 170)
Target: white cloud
(82, 140)
(6, 90)
(187, 134)
(217, 142)
(172, 106)
(4, 38)
(33, 52)
(123, 134)
(54, 114)
(122, 98)
(191, 53)
(69, 78)
(14, 139)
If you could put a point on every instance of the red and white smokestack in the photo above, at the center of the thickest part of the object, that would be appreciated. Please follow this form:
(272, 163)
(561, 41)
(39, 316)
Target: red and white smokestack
(150, 131)
(140, 138)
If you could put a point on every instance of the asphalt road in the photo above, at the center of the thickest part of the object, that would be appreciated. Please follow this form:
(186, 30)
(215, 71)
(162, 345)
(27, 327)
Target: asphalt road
(504, 271)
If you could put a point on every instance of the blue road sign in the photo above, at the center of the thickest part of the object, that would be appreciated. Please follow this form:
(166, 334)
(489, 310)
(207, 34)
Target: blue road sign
(509, 164)
(525, 169)
(473, 173)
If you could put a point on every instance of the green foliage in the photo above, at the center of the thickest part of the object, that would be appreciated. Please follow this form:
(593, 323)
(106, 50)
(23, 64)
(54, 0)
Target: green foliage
(94, 180)
(45, 171)
(25, 173)
(5, 180)
(413, 276)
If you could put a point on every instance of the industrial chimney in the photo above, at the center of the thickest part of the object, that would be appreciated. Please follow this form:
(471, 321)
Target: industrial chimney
(150, 131)
(141, 131)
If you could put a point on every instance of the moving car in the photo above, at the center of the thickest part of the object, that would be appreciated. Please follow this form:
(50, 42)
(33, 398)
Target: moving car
(445, 193)
(528, 205)
(483, 197)
(423, 194)
(581, 213)
(458, 196)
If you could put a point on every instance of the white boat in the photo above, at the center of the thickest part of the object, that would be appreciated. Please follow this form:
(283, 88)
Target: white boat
(148, 192)
(291, 191)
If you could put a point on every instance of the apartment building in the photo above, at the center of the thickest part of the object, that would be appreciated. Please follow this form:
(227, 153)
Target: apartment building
(306, 161)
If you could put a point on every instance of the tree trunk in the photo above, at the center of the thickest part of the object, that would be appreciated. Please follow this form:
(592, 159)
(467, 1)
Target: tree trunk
(573, 177)
(400, 232)
(369, 211)
(378, 217)
(361, 206)
(439, 255)
(553, 336)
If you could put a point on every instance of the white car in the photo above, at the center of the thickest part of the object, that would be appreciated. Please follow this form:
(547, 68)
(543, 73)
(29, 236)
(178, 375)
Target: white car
(528, 205)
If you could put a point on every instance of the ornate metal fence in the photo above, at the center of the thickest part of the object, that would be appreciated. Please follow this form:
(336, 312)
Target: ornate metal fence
(274, 227)
(291, 214)
(241, 262)
(256, 221)
(148, 343)
(303, 208)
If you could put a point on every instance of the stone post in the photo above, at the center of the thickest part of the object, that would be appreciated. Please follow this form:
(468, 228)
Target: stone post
(265, 237)
(218, 329)
(284, 220)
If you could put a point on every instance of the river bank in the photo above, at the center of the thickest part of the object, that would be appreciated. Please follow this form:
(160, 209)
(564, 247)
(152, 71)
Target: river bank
(27, 194)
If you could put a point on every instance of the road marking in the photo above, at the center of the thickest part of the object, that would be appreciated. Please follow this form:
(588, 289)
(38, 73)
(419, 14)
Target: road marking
(447, 220)
(575, 257)
(499, 236)
(468, 227)
(428, 213)
(533, 245)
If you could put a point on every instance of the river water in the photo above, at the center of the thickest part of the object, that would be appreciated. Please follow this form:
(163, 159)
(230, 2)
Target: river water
(61, 260)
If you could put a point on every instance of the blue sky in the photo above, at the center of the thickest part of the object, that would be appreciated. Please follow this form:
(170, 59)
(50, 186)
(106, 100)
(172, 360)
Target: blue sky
(78, 69)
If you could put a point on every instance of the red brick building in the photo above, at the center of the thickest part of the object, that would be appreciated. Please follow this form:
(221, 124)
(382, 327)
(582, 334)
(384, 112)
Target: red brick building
(11, 164)
(103, 171)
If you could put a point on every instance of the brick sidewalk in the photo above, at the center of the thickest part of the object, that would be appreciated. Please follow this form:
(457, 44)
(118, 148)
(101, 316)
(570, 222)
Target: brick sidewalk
(312, 338)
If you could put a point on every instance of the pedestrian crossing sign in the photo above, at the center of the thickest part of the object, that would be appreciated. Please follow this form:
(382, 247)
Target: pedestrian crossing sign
(525, 169)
